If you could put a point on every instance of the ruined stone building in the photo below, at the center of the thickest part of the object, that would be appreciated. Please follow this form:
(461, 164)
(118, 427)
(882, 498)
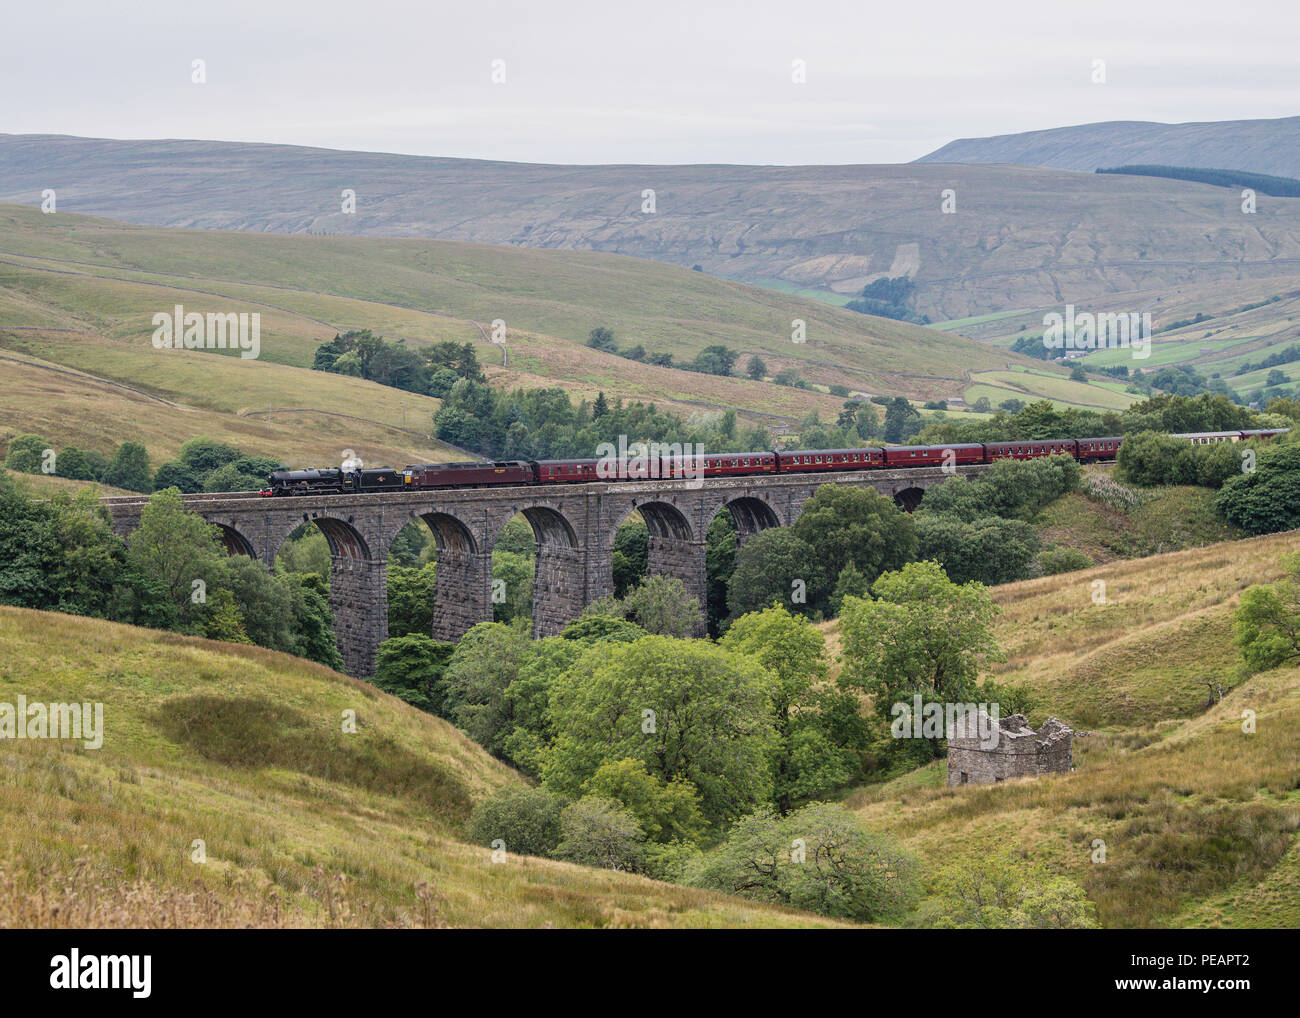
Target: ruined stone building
(982, 749)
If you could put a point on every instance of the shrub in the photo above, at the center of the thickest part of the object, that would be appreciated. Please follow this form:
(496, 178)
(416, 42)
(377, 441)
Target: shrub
(526, 819)
(599, 832)
(1063, 560)
(820, 858)
(25, 453)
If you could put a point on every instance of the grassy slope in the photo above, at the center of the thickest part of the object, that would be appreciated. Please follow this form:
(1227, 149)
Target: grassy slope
(227, 400)
(1199, 818)
(108, 278)
(243, 748)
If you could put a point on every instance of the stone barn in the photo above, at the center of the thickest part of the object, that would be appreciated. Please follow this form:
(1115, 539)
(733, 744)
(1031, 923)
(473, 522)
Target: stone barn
(983, 749)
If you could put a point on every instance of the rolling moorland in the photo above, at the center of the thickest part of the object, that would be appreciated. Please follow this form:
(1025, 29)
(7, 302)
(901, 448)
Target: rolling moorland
(304, 826)
(1023, 237)
(77, 297)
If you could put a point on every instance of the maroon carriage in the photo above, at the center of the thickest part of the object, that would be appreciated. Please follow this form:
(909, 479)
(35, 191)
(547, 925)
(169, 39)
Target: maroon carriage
(798, 461)
(933, 455)
(1090, 449)
(1030, 449)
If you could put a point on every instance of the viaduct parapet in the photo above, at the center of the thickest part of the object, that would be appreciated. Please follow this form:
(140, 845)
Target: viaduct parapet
(574, 526)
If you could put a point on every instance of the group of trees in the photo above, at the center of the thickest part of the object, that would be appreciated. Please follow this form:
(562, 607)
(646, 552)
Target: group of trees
(602, 338)
(1165, 413)
(1150, 458)
(842, 541)
(706, 763)
(128, 467)
(1282, 187)
(61, 554)
(889, 298)
(203, 465)
(980, 528)
(546, 424)
(430, 371)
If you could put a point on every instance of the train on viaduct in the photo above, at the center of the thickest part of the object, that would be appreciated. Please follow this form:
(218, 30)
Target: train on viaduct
(574, 525)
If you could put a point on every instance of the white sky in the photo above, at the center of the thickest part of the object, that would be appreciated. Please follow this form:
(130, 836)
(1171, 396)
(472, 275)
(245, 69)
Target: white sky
(618, 82)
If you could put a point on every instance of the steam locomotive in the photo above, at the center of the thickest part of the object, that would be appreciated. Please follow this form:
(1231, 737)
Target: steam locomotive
(336, 481)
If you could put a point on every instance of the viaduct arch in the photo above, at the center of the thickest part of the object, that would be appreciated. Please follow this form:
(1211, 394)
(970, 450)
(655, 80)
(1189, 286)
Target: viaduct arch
(574, 527)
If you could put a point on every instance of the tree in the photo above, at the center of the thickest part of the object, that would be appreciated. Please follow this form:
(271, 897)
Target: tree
(719, 564)
(1266, 625)
(313, 621)
(26, 453)
(923, 635)
(661, 605)
(902, 421)
(130, 468)
(844, 524)
(203, 455)
(666, 811)
(1267, 500)
(599, 408)
(1078, 374)
(526, 820)
(176, 547)
(991, 550)
(411, 668)
(598, 832)
(309, 552)
(265, 602)
(819, 858)
(512, 577)
(866, 422)
(72, 462)
(685, 709)
(602, 338)
(999, 892)
(715, 360)
(178, 475)
(755, 368)
(631, 556)
(485, 662)
(805, 764)
(776, 566)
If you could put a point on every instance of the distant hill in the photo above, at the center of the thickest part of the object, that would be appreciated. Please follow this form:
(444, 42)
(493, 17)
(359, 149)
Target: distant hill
(1022, 237)
(1260, 146)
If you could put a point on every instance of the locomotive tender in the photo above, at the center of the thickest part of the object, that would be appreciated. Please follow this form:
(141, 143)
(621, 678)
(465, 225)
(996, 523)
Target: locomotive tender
(488, 473)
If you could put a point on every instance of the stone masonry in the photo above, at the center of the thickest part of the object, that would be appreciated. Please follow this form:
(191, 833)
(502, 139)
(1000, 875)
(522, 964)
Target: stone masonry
(574, 526)
(1011, 749)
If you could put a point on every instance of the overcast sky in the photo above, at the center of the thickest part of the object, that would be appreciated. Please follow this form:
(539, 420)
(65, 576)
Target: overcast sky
(611, 81)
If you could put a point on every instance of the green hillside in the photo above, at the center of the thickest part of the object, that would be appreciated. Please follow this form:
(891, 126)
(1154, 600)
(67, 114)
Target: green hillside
(302, 824)
(1200, 818)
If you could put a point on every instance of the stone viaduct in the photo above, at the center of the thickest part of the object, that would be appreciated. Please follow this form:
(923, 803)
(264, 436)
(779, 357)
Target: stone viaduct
(574, 524)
